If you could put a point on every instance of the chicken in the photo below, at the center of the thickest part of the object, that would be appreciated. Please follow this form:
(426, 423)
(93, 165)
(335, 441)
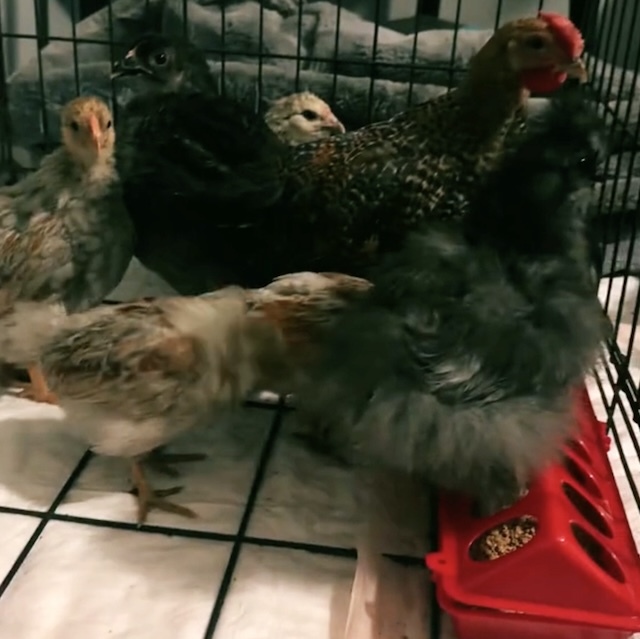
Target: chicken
(459, 364)
(65, 236)
(184, 152)
(133, 376)
(302, 117)
(338, 204)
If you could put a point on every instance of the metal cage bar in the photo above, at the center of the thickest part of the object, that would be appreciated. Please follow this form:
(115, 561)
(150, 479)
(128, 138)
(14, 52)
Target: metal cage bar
(603, 25)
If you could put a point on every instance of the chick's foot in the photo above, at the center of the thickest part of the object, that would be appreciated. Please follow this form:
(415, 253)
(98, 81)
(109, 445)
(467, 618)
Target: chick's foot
(163, 462)
(38, 389)
(148, 498)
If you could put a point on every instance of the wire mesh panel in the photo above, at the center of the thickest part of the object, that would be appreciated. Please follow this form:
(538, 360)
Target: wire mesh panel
(368, 60)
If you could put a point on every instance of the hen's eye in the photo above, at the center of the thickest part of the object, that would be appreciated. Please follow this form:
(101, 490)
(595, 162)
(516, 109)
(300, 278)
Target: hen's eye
(160, 58)
(310, 115)
(74, 126)
(109, 124)
(536, 42)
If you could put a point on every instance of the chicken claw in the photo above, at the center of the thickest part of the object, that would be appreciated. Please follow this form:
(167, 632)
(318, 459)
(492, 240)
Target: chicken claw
(148, 499)
(38, 389)
(163, 462)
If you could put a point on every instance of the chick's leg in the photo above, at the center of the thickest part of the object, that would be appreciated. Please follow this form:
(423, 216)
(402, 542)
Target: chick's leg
(148, 499)
(163, 462)
(38, 389)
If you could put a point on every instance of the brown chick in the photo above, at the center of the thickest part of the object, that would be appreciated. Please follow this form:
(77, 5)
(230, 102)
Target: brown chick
(65, 236)
(302, 117)
(133, 376)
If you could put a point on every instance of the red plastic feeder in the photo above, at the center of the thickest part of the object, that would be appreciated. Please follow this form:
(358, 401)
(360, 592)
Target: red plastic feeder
(578, 577)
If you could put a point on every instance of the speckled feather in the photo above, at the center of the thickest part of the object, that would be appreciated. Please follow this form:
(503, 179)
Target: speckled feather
(371, 185)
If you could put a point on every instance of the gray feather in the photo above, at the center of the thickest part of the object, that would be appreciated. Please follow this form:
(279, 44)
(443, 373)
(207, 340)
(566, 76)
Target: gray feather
(460, 364)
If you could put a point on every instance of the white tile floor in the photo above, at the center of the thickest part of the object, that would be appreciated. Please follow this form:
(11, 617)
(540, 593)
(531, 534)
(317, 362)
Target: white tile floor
(276, 593)
(303, 504)
(90, 574)
(81, 581)
(87, 581)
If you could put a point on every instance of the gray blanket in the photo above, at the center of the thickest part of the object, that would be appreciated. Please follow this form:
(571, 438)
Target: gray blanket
(288, 28)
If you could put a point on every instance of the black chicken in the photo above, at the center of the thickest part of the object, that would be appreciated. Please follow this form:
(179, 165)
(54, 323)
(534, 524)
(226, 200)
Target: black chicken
(459, 364)
(186, 153)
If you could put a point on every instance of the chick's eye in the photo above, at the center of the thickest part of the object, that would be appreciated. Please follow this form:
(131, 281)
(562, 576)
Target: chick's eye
(74, 126)
(536, 42)
(160, 58)
(109, 124)
(310, 115)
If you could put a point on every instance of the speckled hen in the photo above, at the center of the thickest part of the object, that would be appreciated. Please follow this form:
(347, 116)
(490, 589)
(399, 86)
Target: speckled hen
(362, 192)
(65, 236)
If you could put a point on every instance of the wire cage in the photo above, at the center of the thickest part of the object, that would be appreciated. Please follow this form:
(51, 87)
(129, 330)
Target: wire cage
(368, 59)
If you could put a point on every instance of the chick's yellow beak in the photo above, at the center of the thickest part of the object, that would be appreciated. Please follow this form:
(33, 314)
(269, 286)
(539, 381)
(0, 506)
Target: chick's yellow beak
(96, 133)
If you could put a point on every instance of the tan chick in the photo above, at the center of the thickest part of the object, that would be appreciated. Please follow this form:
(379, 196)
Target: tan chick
(302, 117)
(65, 236)
(133, 376)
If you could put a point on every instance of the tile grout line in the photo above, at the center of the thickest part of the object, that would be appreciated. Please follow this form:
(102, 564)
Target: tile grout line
(280, 409)
(205, 535)
(188, 533)
(258, 479)
(46, 517)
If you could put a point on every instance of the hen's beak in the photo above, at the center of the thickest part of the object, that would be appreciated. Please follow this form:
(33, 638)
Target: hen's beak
(127, 66)
(96, 134)
(333, 124)
(575, 69)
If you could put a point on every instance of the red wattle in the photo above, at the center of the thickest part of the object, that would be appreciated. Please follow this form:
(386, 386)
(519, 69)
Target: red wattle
(543, 80)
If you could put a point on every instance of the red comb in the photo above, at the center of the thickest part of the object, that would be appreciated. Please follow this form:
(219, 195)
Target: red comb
(568, 35)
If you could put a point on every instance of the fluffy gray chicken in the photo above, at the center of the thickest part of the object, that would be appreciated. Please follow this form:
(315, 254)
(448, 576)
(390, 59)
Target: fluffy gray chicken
(459, 365)
(65, 235)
